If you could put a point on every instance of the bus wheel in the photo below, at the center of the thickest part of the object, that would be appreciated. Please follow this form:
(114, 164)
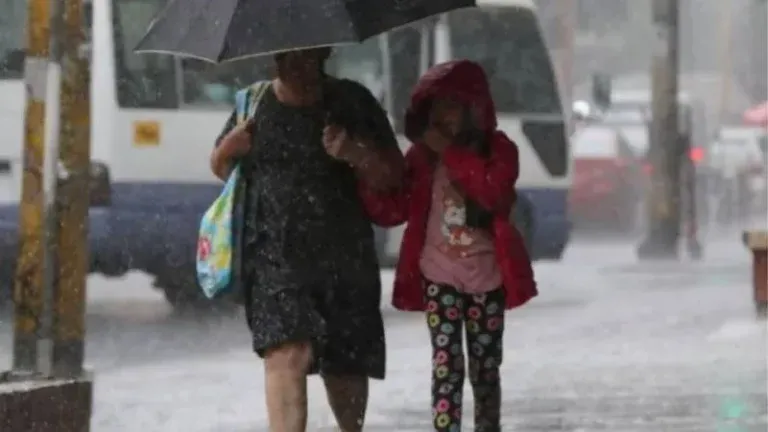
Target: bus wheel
(522, 218)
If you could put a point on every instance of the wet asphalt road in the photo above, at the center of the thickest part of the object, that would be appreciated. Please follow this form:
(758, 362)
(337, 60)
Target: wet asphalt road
(610, 345)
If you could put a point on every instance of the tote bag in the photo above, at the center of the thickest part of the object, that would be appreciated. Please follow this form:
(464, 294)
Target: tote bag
(216, 237)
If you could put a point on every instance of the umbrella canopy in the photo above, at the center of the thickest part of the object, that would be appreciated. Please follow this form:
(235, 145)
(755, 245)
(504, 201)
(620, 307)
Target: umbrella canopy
(225, 30)
(757, 116)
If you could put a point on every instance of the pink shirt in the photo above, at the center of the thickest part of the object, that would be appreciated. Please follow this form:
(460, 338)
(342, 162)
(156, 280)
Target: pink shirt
(454, 254)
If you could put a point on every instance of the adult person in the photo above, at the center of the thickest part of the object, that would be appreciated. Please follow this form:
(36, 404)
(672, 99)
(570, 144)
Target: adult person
(311, 280)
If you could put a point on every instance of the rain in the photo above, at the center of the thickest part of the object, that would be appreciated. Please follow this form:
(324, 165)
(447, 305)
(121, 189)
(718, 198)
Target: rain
(646, 230)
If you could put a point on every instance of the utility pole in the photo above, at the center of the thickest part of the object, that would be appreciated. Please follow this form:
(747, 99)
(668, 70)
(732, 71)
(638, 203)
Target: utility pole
(665, 156)
(47, 390)
(725, 59)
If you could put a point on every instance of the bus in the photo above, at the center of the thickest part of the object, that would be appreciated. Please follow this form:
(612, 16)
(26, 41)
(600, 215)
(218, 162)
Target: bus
(154, 119)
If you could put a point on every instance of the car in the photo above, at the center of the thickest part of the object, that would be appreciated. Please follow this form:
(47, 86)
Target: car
(609, 181)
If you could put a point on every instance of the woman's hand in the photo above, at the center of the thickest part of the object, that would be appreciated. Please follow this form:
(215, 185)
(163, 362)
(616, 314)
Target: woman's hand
(370, 164)
(237, 142)
(339, 145)
(233, 145)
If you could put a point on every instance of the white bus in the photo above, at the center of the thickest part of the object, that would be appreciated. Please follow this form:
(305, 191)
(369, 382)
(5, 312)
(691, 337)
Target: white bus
(155, 117)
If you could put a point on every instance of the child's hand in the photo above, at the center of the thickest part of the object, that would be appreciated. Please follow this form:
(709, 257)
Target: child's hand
(436, 139)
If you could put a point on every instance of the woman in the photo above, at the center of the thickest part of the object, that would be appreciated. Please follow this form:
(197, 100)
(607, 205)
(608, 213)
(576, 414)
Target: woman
(311, 278)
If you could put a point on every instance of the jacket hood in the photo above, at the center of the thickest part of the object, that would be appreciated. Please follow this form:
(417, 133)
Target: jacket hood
(462, 80)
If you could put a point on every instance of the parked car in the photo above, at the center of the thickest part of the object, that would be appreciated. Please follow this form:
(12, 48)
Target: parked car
(609, 181)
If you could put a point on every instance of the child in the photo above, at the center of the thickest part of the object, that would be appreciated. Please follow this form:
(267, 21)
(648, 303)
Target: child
(461, 260)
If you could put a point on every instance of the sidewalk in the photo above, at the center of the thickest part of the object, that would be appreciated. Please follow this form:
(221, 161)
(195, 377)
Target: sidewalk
(635, 360)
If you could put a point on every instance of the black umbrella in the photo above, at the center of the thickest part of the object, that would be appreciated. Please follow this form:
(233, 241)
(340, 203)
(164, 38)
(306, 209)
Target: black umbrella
(225, 30)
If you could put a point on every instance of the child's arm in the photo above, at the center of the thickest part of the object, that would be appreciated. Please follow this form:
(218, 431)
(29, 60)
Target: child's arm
(488, 181)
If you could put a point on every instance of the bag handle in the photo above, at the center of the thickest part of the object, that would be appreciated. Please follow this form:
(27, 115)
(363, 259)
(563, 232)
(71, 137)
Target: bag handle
(247, 100)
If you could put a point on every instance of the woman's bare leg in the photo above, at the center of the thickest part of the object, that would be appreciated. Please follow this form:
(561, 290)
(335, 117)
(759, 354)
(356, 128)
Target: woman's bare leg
(348, 397)
(286, 386)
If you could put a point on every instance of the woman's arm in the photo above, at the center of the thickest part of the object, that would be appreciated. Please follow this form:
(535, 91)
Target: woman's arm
(488, 181)
(233, 142)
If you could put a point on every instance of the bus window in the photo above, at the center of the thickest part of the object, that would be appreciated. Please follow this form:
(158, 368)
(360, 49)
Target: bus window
(12, 41)
(405, 58)
(361, 63)
(208, 85)
(143, 80)
(508, 44)
(364, 64)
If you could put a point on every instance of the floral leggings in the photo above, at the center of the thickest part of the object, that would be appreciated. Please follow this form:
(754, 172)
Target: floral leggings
(448, 311)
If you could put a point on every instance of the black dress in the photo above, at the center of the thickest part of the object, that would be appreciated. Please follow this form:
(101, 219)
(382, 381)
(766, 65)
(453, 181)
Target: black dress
(309, 266)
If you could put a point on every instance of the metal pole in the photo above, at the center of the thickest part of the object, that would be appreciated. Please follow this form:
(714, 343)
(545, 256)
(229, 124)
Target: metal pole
(72, 195)
(50, 279)
(664, 200)
(50, 162)
(28, 296)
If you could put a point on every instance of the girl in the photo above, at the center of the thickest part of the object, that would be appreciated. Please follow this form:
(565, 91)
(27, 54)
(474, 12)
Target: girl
(461, 260)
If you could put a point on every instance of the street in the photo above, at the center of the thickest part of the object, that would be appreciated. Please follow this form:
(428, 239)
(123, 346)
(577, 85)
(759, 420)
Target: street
(610, 345)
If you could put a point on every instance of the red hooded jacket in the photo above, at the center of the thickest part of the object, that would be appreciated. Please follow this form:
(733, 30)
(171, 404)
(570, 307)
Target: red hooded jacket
(490, 182)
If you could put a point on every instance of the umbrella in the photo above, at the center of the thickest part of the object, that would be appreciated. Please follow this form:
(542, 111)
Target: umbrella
(757, 116)
(225, 30)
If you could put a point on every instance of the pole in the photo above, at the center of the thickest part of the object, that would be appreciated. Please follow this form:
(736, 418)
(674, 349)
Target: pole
(28, 286)
(726, 59)
(71, 202)
(54, 395)
(664, 200)
(725, 204)
(50, 277)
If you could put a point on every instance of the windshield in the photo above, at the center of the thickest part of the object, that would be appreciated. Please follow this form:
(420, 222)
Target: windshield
(12, 41)
(507, 42)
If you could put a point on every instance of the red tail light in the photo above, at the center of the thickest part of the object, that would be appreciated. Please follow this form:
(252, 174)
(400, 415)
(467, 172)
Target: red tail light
(696, 154)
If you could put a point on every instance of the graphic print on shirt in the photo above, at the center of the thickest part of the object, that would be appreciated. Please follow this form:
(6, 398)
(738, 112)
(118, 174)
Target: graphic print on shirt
(458, 237)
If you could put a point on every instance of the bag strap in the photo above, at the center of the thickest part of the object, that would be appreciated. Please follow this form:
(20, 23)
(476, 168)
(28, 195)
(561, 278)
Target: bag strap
(247, 100)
